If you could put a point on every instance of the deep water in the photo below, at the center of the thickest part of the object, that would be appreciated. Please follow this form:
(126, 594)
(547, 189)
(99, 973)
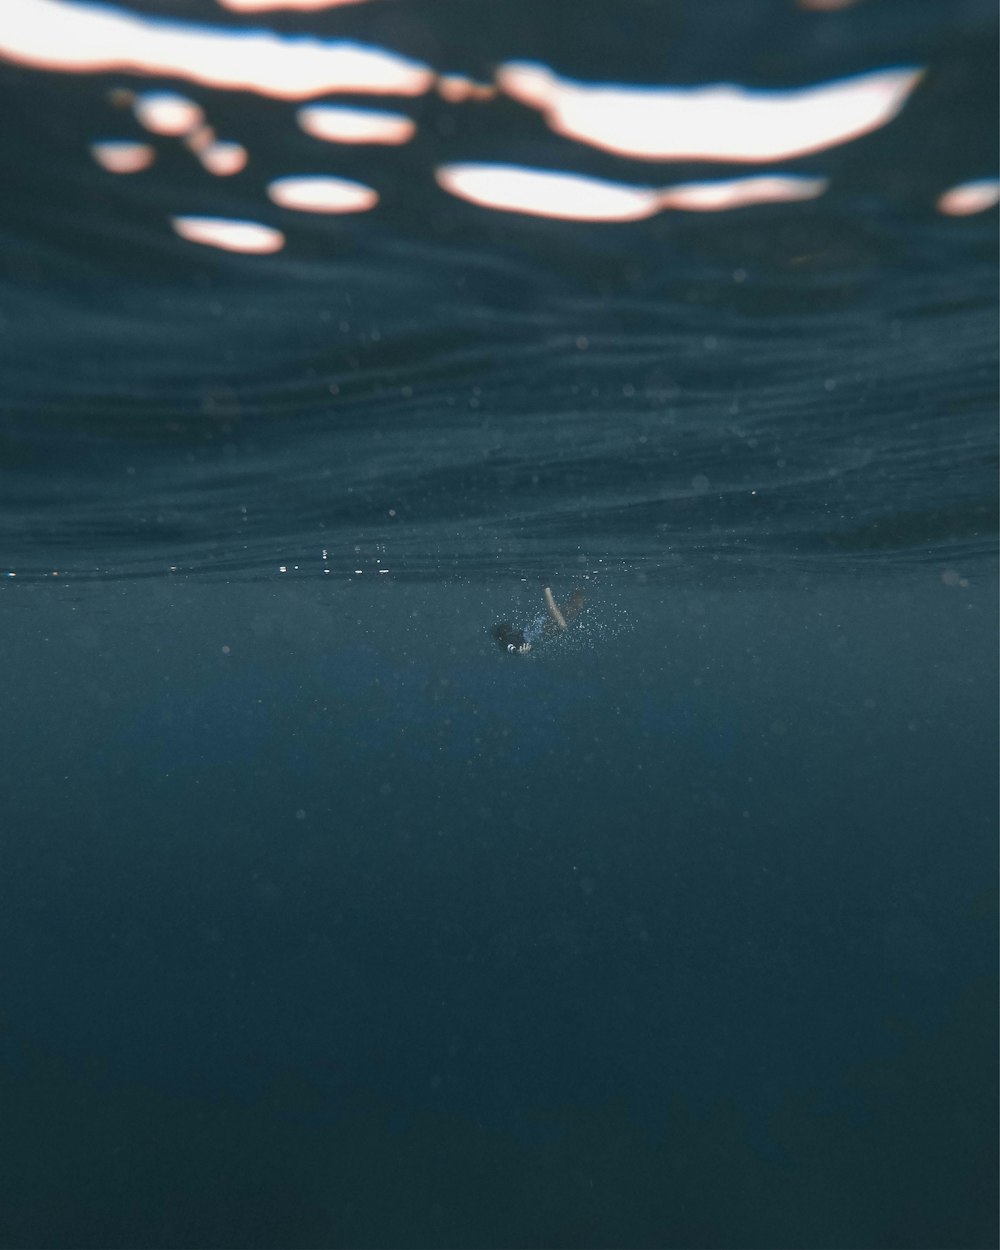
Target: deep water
(362, 933)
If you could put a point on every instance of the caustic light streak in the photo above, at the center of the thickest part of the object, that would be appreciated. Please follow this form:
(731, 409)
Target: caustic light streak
(970, 197)
(336, 123)
(230, 236)
(713, 123)
(575, 197)
(320, 194)
(85, 38)
(122, 156)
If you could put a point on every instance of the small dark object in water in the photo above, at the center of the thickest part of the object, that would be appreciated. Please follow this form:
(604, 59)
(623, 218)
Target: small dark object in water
(549, 623)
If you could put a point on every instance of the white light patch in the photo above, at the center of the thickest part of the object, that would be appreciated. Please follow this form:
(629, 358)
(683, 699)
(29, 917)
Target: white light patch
(334, 123)
(713, 123)
(230, 236)
(569, 197)
(969, 198)
(165, 113)
(224, 159)
(265, 6)
(219, 157)
(714, 197)
(120, 156)
(457, 88)
(322, 195)
(89, 38)
(573, 197)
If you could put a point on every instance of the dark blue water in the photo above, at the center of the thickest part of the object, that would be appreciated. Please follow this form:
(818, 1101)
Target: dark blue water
(325, 922)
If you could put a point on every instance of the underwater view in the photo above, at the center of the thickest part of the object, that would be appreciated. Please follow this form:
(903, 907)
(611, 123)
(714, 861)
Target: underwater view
(498, 553)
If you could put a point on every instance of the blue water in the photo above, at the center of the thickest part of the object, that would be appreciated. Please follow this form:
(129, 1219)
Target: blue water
(326, 922)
